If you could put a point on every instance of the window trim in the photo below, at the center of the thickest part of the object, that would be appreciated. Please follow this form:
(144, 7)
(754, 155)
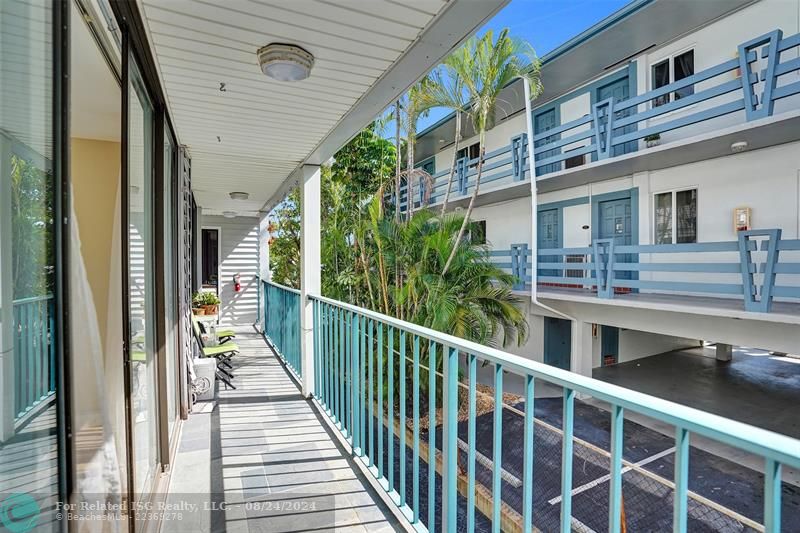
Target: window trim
(670, 59)
(674, 195)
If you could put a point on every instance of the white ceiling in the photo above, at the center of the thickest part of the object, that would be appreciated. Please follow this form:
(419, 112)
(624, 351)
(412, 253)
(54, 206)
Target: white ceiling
(94, 92)
(254, 136)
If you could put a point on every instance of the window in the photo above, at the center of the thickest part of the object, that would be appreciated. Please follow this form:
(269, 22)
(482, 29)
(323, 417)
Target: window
(676, 217)
(575, 161)
(477, 232)
(670, 70)
(428, 166)
(470, 152)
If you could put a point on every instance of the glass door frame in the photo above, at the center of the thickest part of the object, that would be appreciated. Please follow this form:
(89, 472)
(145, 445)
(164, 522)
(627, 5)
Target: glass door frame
(133, 495)
(62, 205)
(135, 44)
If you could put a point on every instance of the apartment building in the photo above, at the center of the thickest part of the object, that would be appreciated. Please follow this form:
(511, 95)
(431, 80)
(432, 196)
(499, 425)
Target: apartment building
(667, 184)
(142, 145)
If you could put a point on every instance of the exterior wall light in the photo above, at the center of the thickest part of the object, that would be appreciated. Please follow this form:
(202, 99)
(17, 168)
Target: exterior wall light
(285, 62)
(238, 195)
(740, 146)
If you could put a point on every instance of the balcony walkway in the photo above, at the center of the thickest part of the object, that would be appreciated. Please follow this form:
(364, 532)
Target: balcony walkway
(264, 444)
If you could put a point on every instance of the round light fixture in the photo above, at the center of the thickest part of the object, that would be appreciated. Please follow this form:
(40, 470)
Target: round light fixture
(285, 62)
(239, 195)
(740, 146)
(229, 214)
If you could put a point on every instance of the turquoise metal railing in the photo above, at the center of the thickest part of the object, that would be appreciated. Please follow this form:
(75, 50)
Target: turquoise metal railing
(715, 92)
(507, 163)
(34, 353)
(282, 322)
(757, 268)
(367, 388)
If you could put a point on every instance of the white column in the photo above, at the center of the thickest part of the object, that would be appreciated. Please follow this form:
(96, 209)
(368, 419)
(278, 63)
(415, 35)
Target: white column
(7, 384)
(582, 348)
(310, 282)
(724, 352)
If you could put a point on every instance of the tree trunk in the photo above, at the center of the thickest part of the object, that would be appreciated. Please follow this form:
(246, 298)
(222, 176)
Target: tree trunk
(471, 204)
(455, 159)
(410, 167)
(397, 161)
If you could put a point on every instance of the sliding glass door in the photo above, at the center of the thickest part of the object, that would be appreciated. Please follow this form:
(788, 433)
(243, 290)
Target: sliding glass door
(32, 456)
(141, 238)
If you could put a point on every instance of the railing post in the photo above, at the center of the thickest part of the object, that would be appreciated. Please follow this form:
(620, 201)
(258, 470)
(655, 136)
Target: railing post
(518, 149)
(752, 107)
(604, 266)
(603, 130)
(449, 438)
(764, 303)
(461, 175)
(310, 276)
(519, 262)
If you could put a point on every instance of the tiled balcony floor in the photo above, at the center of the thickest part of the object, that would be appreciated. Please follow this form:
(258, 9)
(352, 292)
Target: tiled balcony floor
(263, 452)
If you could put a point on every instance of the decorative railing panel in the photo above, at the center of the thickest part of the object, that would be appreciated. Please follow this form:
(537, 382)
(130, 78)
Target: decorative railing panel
(34, 353)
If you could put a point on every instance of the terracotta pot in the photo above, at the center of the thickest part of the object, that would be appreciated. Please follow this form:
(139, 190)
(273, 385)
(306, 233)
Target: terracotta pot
(199, 310)
(210, 309)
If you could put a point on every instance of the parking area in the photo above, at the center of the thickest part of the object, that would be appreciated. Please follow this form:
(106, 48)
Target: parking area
(755, 387)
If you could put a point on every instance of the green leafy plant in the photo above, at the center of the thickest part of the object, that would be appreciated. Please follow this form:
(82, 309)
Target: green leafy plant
(652, 137)
(210, 298)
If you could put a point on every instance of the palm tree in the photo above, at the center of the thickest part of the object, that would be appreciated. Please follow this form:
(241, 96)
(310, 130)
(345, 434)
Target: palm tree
(486, 66)
(417, 106)
(447, 90)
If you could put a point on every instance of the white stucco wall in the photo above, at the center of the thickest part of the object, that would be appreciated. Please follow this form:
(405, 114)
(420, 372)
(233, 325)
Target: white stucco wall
(238, 254)
(714, 44)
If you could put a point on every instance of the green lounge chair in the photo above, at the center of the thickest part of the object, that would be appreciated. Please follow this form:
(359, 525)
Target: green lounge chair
(222, 353)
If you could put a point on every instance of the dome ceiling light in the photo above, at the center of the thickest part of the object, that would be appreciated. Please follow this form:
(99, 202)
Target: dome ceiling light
(238, 195)
(229, 214)
(285, 62)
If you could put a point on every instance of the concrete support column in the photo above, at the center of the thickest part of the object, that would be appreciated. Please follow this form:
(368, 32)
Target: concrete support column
(7, 384)
(581, 357)
(310, 272)
(724, 352)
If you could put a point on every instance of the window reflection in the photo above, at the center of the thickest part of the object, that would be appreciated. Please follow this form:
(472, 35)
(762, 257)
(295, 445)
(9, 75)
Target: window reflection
(28, 418)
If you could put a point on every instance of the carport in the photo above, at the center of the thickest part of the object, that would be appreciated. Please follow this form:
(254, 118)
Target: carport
(756, 387)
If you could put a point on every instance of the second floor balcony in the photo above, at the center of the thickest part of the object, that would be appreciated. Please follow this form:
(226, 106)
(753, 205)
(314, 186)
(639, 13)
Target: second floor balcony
(700, 117)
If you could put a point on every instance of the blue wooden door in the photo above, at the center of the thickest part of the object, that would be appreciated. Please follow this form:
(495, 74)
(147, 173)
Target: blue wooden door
(543, 122)
(615, 223)
(619, 90)
(609, 345)
(557, 342)
(549, 237)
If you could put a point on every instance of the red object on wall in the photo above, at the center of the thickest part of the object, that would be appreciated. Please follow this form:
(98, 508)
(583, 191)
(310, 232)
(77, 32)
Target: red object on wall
(237, 282)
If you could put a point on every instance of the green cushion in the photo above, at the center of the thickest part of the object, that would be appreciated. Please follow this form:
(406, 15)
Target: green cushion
(226, 333)
(210, 351)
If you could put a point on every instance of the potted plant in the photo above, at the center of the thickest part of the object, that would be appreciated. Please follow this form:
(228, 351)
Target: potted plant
(210, 302)
(652, 140)
(197, 304)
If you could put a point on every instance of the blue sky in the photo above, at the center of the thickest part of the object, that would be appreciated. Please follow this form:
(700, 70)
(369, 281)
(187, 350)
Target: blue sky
(545, 24)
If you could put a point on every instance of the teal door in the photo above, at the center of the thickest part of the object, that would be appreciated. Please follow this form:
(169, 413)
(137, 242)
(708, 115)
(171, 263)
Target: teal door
(557, 342)
(549, 237)
(619, 90)
(615, 223)
(609, 345)
(541, 123)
